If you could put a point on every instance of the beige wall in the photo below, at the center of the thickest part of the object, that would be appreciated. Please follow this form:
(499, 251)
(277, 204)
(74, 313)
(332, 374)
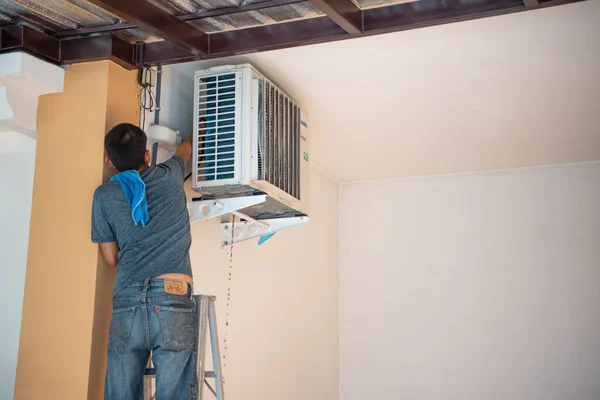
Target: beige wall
(474, 286)
(67, 295)
(283, 322)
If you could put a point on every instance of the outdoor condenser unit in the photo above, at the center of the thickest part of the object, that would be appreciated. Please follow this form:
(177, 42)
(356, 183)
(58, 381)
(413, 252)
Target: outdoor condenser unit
(251, 150)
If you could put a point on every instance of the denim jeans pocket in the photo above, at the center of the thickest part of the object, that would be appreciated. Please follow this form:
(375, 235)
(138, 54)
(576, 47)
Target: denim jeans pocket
(120, 327)
(177, 323)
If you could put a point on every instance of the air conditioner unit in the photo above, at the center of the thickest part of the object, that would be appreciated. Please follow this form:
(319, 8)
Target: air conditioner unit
(250, 139)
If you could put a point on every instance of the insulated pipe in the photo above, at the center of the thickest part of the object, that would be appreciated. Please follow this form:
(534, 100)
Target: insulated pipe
(158, 86)
(156, 112)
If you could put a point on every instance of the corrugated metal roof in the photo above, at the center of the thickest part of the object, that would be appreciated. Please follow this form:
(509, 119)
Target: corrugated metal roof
(59, 15)
(242, 20)
(250, 19)
(4, 19)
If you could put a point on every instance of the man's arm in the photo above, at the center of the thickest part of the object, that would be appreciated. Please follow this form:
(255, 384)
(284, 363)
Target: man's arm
(185, 150)
(110, 253)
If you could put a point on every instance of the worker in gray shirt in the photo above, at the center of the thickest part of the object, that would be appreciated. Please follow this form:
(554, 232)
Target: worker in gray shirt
(141, 222)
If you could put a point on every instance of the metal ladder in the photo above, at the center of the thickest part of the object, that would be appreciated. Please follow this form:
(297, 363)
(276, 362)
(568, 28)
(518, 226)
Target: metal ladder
(207, 325)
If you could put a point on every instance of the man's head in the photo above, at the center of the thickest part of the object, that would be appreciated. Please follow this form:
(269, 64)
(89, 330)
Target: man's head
(125, 146)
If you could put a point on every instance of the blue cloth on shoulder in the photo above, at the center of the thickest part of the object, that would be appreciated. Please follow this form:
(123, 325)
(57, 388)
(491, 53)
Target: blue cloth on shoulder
(135, 192)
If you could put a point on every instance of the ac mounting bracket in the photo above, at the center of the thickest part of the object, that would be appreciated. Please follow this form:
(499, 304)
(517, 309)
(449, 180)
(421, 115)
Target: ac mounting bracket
(245, 230)
(205, 209)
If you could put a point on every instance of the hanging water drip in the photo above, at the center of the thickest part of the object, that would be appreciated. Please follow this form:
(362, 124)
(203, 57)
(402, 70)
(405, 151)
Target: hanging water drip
(227, 305)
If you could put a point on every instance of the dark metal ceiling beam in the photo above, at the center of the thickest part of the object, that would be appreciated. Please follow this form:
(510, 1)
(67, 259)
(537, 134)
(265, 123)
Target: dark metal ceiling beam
(95, 29)
(242, 41)
(164, 53)
(105, 47)
(344, 13)
(20, 37)
(95, 48)
(277, 36)
(158, 22)
(219, 12)
(425, 13)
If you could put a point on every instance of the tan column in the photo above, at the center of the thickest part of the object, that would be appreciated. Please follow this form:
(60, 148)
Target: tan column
(66, 308)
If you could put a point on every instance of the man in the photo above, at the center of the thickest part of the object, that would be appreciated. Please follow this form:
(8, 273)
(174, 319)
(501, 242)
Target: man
(141, 222)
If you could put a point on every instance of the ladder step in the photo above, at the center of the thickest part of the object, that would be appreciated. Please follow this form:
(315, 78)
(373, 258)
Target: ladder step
(209, 374)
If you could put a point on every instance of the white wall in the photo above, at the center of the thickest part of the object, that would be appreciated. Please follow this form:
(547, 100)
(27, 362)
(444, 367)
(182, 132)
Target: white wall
(17, 160)
(23, 78)
(475, 286)
(177, 101)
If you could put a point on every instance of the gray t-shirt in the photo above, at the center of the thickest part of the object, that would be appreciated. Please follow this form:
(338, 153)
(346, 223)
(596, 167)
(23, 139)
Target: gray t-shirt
(161, 247)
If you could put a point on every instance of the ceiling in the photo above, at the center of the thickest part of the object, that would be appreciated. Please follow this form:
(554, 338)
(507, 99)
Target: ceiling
(508, 91)
(68, 15)
(136, 33)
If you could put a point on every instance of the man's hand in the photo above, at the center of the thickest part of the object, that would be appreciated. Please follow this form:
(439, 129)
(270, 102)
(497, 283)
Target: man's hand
(110, 253)
(185, 149)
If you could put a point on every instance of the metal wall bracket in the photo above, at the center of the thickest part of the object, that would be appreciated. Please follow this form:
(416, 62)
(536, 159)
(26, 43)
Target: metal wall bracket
(248, 230)
(205, 209)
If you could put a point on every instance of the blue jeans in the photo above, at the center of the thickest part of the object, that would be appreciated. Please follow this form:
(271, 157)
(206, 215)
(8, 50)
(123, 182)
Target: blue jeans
(146, 318)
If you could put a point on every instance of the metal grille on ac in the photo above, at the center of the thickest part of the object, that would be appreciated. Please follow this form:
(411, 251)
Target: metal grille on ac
(281, 141)
(261, 129)
(216, 127)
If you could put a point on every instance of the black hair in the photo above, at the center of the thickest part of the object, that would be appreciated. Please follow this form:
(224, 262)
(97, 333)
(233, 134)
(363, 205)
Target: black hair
(125, 146)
